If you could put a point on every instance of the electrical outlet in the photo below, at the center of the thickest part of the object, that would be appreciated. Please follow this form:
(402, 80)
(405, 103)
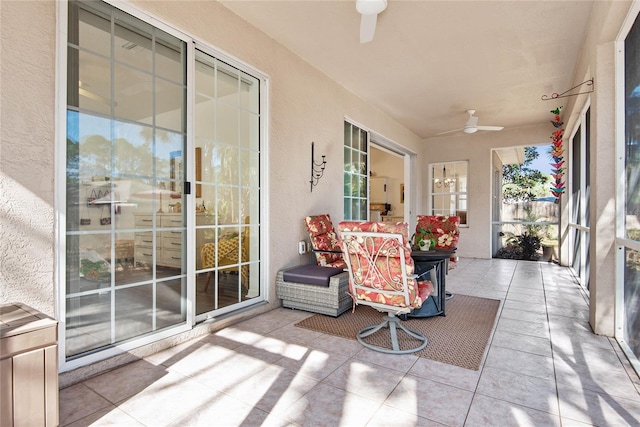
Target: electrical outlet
(302, 247)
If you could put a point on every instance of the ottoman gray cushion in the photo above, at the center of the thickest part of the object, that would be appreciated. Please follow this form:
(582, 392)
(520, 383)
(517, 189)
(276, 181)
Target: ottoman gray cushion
(311, 274)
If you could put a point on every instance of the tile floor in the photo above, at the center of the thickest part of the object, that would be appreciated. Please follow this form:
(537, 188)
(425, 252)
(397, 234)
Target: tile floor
(543, 368)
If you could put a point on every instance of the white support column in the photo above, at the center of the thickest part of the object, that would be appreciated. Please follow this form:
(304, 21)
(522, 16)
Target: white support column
(603, 190)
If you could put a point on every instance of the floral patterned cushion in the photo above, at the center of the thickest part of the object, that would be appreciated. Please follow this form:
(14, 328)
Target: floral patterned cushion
(323, 238)
(377, 265)
(445, 229)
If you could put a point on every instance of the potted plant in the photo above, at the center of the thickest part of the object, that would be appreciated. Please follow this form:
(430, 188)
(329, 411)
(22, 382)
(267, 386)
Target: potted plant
(423, 239)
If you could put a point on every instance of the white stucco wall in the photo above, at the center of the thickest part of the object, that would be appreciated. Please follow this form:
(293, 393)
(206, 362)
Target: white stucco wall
(27, 61)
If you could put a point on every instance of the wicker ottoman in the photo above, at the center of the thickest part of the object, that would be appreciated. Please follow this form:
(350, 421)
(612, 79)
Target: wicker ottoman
(331, 300)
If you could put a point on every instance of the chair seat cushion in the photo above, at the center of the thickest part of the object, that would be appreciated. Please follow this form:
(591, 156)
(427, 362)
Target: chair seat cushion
(311, 274)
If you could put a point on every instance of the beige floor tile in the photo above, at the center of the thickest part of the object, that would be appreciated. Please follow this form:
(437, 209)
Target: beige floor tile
(528, 316)
(513, 295)
(337, 345)
(272, 390)
(523, 327)
(568, 339)
(612, 380)
(79, 401)
(170, 398)
(173, 354)
(535, 292)
(111, 416)
(486, 411)
(315, 364)
(365, 379)
(528, 343)
(456, 376)
(202, 359)
(137, 376)
(326, 405)
(520, 362)
(435, 401)
(387, 416)
(223, 410)
(294, 335)
(525, 306)
(524, 390)
(398, 362)
(270, 349)
(600, 409)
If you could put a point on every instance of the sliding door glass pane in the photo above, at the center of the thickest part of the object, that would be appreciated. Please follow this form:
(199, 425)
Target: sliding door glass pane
(632, 300)
(356, 179)
(227, 156)
(631, 291)
(125, 264)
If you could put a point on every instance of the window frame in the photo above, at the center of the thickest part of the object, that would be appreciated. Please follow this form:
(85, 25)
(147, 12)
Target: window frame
(459, 197)
(623, 242)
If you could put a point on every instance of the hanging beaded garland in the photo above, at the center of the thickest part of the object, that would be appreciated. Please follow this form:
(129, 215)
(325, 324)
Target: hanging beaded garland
(557, 185)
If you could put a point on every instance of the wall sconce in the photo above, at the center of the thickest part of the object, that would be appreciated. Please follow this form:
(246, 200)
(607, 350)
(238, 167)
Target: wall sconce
(447, 182)
(317, 169)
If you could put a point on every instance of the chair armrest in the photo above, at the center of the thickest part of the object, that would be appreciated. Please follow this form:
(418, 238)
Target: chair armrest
(326, 251)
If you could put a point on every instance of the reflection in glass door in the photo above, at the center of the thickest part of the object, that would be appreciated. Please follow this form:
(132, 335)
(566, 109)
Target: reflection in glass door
(579, 231)
(227, 191)
(125, 228)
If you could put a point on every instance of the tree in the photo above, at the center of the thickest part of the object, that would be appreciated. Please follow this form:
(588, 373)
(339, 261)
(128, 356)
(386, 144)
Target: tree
(520, 183)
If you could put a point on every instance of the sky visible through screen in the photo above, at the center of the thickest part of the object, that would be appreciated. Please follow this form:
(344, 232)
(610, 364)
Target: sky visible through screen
(544, 160)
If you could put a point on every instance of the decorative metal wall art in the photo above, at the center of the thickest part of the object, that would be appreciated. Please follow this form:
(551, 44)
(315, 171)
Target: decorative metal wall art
(567, 93)
(317, 169)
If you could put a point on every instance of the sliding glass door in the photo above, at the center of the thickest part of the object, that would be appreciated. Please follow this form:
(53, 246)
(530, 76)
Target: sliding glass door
(162, 193)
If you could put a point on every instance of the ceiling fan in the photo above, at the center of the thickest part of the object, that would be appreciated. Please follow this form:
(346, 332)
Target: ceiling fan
(369, 9)
(472, 125)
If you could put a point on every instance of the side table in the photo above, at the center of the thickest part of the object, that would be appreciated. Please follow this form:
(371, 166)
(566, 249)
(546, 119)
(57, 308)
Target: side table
(425, 261)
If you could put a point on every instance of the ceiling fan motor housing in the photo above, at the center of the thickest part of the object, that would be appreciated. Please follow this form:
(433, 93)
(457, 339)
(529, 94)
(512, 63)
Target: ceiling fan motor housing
(370, 7)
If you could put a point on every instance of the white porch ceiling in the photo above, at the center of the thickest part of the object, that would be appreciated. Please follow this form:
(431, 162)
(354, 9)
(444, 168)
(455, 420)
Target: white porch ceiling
(430, 61)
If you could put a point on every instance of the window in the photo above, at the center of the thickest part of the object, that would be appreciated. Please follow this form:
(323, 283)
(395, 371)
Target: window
(449, 189)
(128, 237)
(356, 180)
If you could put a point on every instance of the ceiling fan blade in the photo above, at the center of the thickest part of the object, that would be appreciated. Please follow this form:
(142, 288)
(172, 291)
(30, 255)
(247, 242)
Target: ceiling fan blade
(367, 27)
(450, 131)
(490, 127)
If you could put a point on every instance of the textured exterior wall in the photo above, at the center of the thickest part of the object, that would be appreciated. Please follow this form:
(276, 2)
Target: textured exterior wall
(27, 84)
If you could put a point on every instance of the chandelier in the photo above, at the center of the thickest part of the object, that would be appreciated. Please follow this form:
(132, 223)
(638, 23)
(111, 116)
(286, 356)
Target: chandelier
(446, 182)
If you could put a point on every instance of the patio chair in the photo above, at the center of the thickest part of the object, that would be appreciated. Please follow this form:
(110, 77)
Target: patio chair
(378, 257)
(230, 249)
(444, 229)
(324, 241)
